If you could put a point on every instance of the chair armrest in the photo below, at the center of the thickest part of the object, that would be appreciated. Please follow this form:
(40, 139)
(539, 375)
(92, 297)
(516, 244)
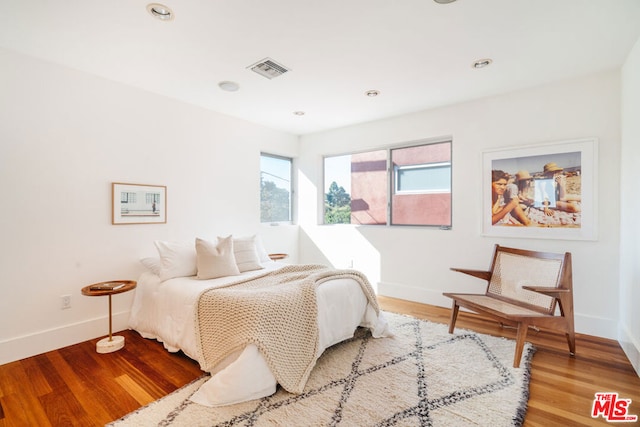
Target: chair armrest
(547, 290)
(480, 274)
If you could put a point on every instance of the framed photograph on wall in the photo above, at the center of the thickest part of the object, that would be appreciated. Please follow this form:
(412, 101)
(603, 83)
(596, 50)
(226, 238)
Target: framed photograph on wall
(543, 191)
(138, 204)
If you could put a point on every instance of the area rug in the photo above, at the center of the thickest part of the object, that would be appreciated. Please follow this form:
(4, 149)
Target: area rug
(423, 376)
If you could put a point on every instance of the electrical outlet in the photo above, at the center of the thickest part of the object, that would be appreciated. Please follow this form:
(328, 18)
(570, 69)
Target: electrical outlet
(66, 301)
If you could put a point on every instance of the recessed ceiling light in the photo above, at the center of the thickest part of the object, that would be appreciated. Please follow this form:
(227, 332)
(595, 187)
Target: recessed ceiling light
(444, 1)
(160, 11)
(372, 93)
(481, 63)
(228, 86)
(298, 113)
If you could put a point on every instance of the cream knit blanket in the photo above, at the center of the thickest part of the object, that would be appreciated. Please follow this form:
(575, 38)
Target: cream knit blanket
(277, 312)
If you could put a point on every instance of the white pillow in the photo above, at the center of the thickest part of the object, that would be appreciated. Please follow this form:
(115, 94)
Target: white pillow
(244, 249)
(177, 259)
(215, 261)
(263, 256)
(153, 264)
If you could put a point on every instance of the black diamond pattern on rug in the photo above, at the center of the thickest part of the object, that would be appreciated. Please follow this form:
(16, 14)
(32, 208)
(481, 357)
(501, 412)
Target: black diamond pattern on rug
(427, 400)
(422, 376)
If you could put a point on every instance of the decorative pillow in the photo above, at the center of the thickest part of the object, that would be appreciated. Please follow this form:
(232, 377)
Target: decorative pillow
(153, 264)
(263, 256)
(215, 261)
(244, 249)
(177, 259)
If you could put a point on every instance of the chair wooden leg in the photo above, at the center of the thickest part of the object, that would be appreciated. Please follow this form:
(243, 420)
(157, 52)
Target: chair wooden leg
(454, 316)
(566, 308)
(520, 338)
(571, 339)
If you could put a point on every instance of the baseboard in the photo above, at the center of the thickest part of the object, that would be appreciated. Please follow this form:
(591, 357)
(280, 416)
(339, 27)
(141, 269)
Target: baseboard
(52, 339)
(585, 324)
(630, 347)
(411, 293)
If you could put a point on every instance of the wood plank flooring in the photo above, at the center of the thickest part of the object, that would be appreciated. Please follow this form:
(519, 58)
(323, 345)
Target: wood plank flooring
(75, 386)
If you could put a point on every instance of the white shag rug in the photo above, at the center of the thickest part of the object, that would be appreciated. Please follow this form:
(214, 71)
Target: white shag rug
(423, 376)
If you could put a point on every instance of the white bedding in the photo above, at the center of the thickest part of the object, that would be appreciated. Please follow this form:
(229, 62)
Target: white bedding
(166, 311)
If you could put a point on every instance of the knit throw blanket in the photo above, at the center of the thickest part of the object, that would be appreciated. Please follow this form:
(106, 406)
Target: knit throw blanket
(277, 312)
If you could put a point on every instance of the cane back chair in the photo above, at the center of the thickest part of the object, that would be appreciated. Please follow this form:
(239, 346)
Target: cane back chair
(523, 288)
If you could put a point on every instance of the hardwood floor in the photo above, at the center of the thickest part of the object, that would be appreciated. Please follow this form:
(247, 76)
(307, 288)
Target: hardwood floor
(562, 388)
(75, 386)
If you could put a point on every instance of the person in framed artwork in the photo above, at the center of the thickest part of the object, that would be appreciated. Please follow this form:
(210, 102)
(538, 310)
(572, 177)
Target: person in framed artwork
(522, 186)
(503, 212)
(563, 199)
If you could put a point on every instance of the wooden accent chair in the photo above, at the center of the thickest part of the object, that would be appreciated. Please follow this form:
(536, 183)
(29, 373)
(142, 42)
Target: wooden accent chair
(522, 291)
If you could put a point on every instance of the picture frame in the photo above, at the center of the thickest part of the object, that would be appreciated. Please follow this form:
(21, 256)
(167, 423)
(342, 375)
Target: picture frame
(556, 185)
(138, 204)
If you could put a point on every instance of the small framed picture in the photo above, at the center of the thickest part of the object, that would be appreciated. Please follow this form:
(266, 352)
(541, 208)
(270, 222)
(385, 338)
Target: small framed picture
(138, 204)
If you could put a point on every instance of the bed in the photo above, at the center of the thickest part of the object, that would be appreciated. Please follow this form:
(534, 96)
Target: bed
(170, 299)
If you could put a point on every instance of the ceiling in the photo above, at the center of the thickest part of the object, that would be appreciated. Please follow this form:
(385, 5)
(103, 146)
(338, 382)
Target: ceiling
(417, 53)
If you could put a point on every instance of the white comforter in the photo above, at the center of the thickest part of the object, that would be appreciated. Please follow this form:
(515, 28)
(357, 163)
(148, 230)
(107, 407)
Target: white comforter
(166, 311)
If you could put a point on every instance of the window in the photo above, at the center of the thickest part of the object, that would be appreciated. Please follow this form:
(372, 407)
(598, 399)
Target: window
(275, 188)
(356, 189)
(152, 198)
(421, 185)
(126, 197)
(423, 179)
(337, 190)
(400, 186)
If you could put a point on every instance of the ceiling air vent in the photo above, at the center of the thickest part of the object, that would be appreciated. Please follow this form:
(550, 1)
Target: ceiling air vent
(268, 68)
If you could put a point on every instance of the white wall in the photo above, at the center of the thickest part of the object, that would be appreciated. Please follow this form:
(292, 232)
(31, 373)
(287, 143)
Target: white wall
(629, 335)
(64, 137)
(413, 262)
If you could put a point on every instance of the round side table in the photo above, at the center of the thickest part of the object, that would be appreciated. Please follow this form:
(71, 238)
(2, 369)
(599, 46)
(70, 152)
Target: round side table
(112, 287)
(278, 257)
